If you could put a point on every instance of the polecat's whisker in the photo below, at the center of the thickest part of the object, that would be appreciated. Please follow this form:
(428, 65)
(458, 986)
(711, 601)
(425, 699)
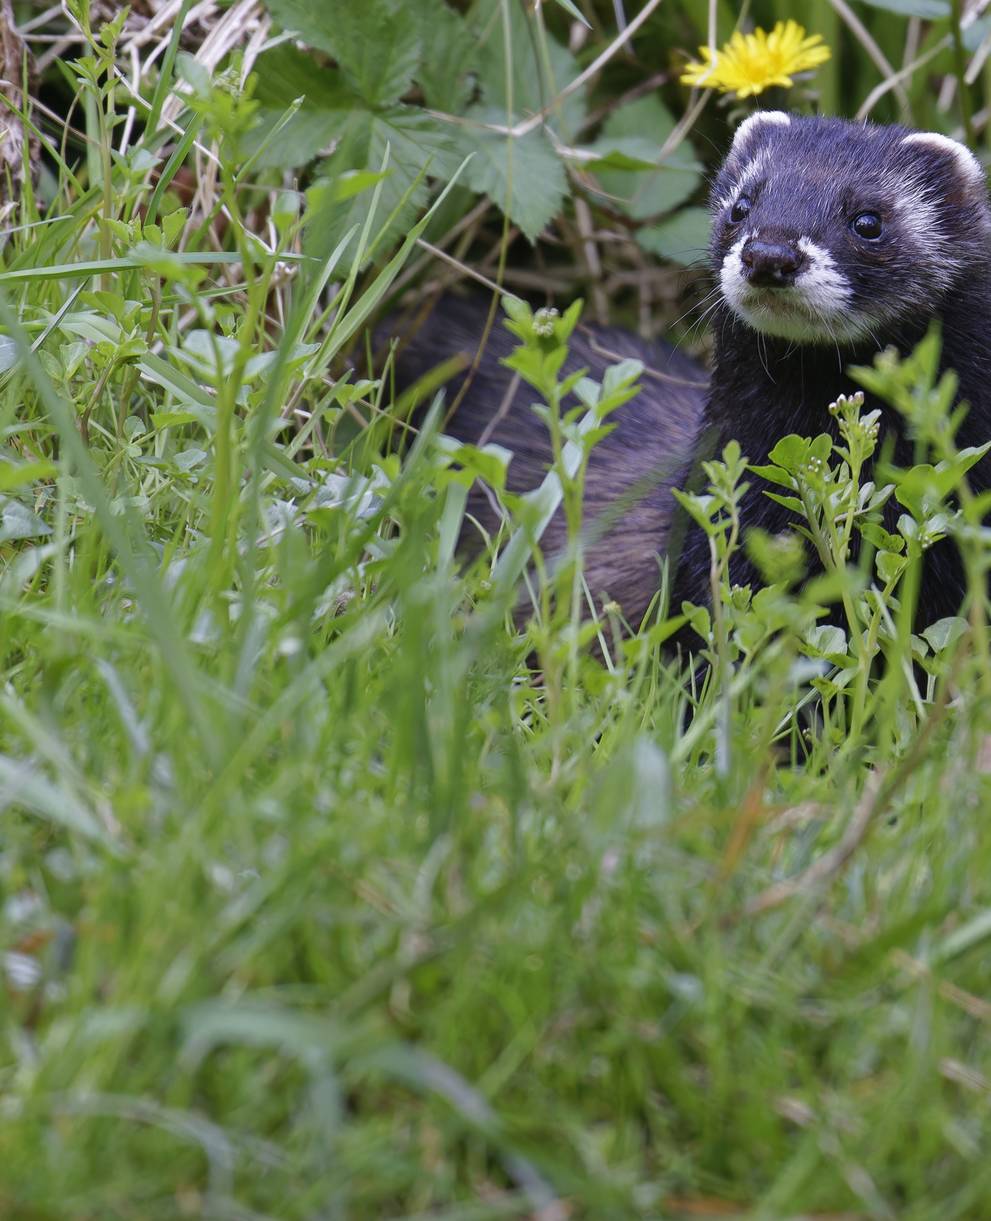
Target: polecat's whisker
(713, 293)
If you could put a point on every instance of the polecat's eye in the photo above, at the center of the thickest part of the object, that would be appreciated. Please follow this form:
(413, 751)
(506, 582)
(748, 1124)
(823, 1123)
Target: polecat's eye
(741, 209)
(867, 225)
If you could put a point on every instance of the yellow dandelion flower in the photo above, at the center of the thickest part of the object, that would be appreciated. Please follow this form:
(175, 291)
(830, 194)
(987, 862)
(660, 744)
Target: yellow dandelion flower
(750, 63)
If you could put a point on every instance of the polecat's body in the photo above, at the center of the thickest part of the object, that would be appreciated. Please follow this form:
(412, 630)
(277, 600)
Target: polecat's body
(628, 506)
(830, 240)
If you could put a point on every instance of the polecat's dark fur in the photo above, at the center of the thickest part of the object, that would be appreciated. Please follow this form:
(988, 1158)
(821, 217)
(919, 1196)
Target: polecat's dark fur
(649, 451)
(830, 240)
(778, 363)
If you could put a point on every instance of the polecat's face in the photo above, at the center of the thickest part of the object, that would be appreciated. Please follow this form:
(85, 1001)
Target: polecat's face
(827, 231)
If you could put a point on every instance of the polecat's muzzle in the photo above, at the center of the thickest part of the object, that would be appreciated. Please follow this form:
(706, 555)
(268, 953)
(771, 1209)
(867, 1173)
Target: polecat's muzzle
(771, 264)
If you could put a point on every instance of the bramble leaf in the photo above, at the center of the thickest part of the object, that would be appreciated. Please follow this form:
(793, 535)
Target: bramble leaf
(376, 43)
(523, 176)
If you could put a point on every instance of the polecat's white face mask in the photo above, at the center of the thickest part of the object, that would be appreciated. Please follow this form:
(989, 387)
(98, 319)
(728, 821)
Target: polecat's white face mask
(831, 232)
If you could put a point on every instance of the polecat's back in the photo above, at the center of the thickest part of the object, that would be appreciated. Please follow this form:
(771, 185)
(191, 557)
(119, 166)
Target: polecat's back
(630, 472)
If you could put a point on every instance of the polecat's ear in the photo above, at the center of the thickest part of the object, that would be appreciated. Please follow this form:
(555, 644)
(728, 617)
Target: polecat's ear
(749, 129)
(964, 160)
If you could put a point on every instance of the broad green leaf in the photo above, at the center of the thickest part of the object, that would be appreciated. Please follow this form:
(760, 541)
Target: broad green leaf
(173, 419)
(789, 502)
(700, 507)
(414, 142)
(446, 59)
(923, 484)
(637, 131)
(647, 119)
(523, 176)
(540, 69)
(878, 537)
(774, 474)
(828, 640)
(375, 42)
(682, 239)
(699, 619)
(17, 521)
(790, 452)
(889, 564)
(194, 73)
(285, 74)
(490, 462)
(944, 632)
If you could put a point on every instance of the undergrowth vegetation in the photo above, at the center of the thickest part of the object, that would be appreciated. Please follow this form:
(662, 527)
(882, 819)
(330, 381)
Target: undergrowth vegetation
(330, 887)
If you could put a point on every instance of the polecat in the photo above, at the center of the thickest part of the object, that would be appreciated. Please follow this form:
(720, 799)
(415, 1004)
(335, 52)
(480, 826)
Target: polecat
(830, 241)
(628, 506)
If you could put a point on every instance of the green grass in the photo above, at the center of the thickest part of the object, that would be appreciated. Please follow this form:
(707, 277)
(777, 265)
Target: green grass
(320, 900)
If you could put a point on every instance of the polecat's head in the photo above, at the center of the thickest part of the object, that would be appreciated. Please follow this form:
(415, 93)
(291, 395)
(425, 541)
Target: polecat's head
(830, 231)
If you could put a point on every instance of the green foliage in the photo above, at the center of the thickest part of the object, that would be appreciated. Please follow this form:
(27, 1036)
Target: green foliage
(434, 82)
(682, 239)
(377, 44)
(481, 78)
(524, 176)
(638, 130)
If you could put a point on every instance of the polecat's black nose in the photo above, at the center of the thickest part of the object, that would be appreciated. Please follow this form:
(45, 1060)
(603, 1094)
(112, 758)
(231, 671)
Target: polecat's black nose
(771, 264)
